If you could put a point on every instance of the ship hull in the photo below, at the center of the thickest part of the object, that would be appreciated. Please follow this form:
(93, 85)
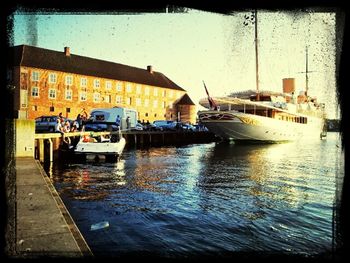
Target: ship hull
(238, 126)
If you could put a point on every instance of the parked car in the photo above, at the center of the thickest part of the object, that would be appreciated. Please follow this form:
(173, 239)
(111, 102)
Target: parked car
(166, 125)
(187, 127)
(96, 127)
(45, 124)
(138, 127)
(151, 127)
(48, 123)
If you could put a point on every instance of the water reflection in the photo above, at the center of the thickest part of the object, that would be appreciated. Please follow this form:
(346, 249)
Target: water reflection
(89, 181)
(209, 197)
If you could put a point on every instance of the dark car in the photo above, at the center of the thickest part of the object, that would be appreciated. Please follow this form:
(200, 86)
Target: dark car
(45, 124)
(92, 126)
(166, 125)
(151, 127)
(187, 127)
(48, 123)
(138, 127)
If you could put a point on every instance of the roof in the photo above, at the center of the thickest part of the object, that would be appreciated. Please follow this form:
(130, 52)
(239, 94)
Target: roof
(185, 100)
(30, 56)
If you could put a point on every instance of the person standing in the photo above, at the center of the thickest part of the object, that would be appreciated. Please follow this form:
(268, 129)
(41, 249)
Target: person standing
(128, 122)
(60, 116)
(79, 121)
(58, 126)
(117, 121)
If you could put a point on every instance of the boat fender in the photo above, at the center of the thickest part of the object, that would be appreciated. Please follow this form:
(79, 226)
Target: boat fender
(86, 138)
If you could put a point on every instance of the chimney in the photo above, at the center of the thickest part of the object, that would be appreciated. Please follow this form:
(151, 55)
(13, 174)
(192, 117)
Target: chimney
(288, 85)
(150, 69)
(67, 51)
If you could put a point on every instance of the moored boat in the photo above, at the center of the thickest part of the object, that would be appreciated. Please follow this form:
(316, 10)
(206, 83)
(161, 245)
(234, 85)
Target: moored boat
(108, 146)
(270, 120)
(264, 116)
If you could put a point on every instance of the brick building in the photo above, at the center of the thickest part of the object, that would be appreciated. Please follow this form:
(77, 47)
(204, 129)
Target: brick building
(48, 82)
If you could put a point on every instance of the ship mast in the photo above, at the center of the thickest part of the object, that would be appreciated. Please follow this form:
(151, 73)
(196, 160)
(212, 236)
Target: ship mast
(256, 55)
(306, 75)
(306, 71)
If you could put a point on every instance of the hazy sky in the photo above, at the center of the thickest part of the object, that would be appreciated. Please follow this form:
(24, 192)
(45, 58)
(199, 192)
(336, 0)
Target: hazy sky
(195, 46)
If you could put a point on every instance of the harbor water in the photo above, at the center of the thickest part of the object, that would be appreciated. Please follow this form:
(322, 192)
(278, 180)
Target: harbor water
(213, 199)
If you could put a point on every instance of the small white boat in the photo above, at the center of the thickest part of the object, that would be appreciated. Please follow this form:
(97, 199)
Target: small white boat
(100, 145)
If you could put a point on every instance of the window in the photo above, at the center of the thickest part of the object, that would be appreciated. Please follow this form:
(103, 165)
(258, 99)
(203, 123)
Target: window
(128, 87)
(138, 102)
(119, 86)
(138, 89)
(155, 104)
(35, 92)
(52, 93)
(97, 97)
(118, 99)
(108, 85)
(164, 104)
(163, 93)
(52, 108)
(83, 82)
(52, 78)
(155, 92)
(146, 102)
(108, 98)
(69, 80)
(147, 91)
(69, 94)
(34, 108)
(68, 110)
(96, 83)
(83, 96)
(35, 76)
(128, 101)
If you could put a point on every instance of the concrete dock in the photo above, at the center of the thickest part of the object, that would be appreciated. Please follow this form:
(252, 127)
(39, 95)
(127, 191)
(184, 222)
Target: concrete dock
(44, 226)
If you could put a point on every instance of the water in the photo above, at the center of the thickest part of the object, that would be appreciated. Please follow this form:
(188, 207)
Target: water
(208, 198)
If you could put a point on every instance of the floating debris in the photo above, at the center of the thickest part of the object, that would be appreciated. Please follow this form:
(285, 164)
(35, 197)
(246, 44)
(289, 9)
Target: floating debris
(100, 225)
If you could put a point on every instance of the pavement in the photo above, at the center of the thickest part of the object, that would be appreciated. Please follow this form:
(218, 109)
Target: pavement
(44, 227)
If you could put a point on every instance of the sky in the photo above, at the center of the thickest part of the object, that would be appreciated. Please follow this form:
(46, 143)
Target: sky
(198, 46)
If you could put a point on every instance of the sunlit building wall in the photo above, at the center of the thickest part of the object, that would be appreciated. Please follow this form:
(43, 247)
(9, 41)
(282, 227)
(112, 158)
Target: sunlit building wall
(48, 82)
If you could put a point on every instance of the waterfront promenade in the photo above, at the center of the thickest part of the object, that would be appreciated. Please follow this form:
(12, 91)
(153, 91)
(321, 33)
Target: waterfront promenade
(44, 227)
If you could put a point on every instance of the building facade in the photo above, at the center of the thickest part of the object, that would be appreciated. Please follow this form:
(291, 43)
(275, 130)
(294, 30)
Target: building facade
(48, 82)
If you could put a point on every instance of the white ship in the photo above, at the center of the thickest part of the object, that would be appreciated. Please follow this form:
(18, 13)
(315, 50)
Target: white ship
(271, 119)
(264, 116)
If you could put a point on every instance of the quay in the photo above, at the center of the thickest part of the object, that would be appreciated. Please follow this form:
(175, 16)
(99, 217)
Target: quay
(43, 225)
(38, 223)
(47, 145)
